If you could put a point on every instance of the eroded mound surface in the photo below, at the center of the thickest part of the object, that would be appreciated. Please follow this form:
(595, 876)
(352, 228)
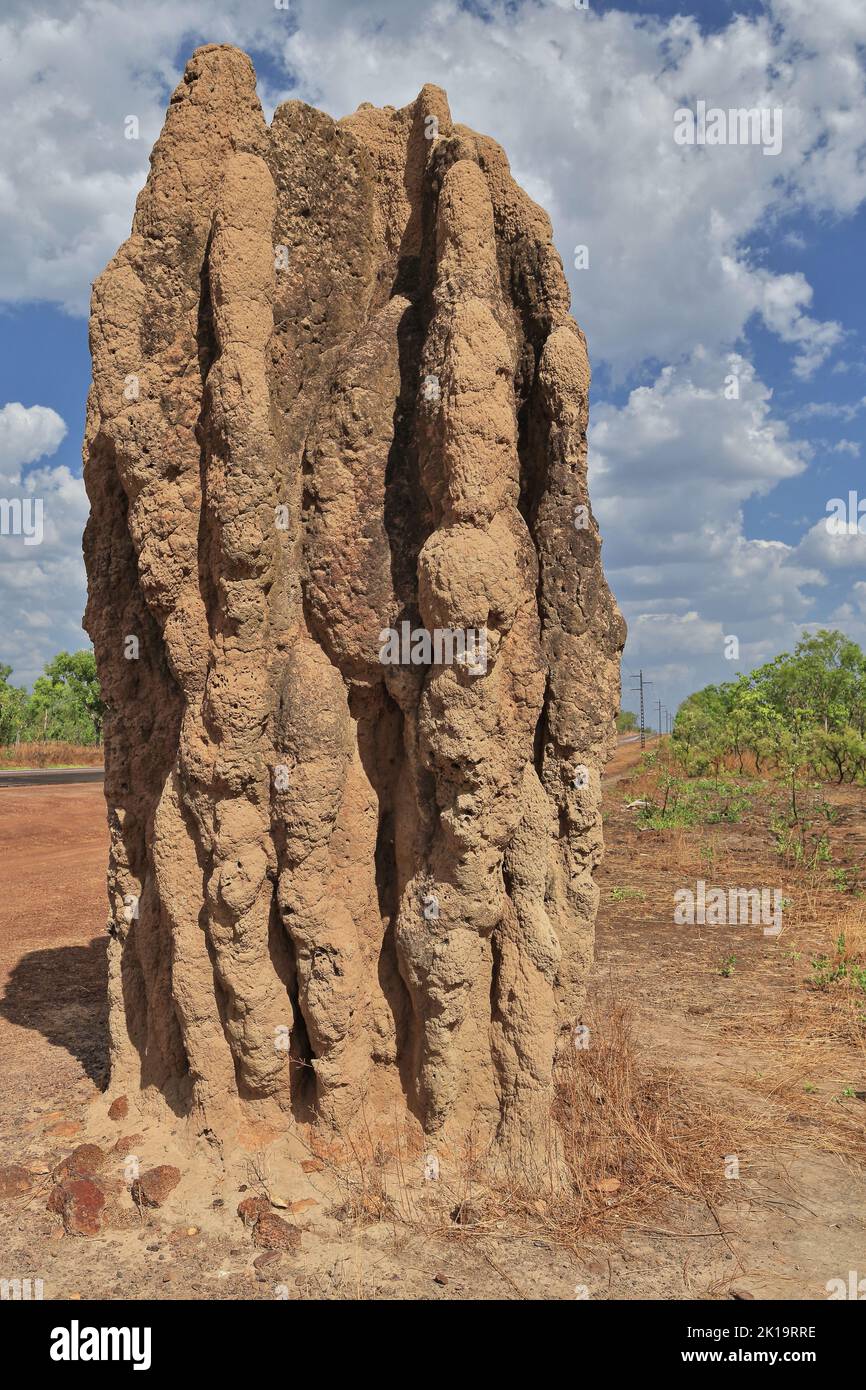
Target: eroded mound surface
(351, 623)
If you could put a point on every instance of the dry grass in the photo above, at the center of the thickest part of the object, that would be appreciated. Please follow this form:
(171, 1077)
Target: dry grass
(634, 1138)
(48, 754)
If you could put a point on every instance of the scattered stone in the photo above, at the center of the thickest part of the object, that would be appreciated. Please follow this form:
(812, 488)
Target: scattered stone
(304, 1205)
(156, 1185)
(609, 1185)
(268, 1258)
(312, 1165)
(741, 1294)
(15, 1181)
(119, 1108)
(80, 1202)
(439, 1279)
(252, 1208)
(84, 1162)
(128, 1144)
(273, 1233)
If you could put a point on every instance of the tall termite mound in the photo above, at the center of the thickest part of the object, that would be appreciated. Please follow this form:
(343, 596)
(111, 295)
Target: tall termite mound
(358, 653)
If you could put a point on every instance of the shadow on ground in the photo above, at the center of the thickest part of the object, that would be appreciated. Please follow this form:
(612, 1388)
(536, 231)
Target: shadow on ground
(61, 994)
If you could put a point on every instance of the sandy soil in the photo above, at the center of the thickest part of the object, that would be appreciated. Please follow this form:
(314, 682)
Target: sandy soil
(792, 1220)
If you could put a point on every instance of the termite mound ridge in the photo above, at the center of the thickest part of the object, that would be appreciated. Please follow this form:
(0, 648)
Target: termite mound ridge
(336, 388)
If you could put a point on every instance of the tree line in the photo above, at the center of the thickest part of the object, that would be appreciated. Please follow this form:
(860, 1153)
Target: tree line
(803, 712)
(65, 704)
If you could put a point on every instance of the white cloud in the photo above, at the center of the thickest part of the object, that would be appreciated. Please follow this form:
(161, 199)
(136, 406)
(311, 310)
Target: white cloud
(667, 227)
(26, 434)
(42, 588)
(601, 86)
(584, 104)
(831, 550)
(670, 471)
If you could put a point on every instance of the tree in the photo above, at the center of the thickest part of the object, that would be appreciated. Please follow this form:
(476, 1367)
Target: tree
(13, 708)
(802, 710)
(66, 702)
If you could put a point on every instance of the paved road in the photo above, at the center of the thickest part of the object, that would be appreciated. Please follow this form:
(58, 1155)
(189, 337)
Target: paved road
(49, 776)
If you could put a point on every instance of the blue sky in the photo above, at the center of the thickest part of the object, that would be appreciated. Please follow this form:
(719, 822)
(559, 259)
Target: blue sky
(702, 262)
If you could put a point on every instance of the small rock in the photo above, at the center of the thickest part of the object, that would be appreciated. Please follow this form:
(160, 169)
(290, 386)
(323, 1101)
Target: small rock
(84, 1162)
(439, 1279)
(304, 1205)
(80, 1202)
(15, 1181)
(192, 1230)
(273, 1233)
(119, 1108)
(609, 1185)
(128, 1144)
(741, 1294)
(251, 1208)
(312, 1165)
(156, 1185)
(269, 1257)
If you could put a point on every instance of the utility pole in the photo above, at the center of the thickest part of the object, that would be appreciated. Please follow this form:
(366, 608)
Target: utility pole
(641, 687)
(660, 718)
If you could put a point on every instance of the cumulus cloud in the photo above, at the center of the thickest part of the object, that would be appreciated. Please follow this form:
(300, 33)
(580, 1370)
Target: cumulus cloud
(26, 435)
(834, 549)
(602, 87)
(667, 226)
(670, 472)
(584, 103)
(42, 587)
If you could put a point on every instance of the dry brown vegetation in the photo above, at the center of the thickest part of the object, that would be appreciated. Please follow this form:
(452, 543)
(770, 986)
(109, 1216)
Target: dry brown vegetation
(50, 754)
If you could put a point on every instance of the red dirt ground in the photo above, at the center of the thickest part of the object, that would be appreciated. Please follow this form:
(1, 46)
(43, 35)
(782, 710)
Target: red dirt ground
(793, 1220)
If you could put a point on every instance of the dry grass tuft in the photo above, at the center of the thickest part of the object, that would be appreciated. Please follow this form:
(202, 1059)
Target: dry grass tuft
(48, 754)
(634, 1138)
